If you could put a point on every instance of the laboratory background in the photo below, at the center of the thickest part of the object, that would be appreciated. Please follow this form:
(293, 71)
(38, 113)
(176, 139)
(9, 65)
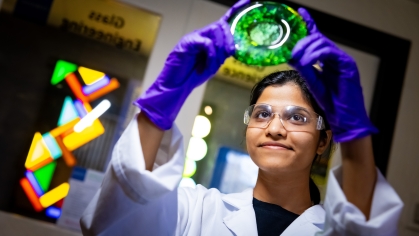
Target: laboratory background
(67, 61)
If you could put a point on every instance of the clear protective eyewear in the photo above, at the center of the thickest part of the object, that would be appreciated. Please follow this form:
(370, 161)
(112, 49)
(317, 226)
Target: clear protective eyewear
(293, 118)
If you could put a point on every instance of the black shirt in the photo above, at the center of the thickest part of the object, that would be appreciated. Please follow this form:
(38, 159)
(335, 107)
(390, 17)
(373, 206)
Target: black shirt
(271, 219)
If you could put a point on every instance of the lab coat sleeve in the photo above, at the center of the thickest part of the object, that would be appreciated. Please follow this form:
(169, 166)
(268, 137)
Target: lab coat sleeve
(344, 218)
(132, 200)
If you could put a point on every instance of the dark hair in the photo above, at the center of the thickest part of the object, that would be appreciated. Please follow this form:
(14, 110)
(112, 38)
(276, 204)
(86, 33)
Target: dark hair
(292, 76)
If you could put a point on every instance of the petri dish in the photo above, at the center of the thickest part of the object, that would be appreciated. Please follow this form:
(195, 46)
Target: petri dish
(266, 32)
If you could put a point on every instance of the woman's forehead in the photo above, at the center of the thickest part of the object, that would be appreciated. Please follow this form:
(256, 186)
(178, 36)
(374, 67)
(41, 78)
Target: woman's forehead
(284, 95)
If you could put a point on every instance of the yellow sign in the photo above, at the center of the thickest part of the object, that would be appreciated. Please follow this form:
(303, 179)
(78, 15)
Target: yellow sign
(110, 22)
(244, 75)
(123, 26)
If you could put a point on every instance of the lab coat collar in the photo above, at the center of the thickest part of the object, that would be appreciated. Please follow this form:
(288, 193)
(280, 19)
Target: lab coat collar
(243, 220)
(239, 200)
(308, 223)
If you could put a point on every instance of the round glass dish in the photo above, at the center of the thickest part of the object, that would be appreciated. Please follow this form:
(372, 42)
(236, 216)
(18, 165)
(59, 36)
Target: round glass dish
(266, 32)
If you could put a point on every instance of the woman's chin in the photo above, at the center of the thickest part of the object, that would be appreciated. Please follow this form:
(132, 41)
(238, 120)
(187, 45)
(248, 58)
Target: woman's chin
(276, 164)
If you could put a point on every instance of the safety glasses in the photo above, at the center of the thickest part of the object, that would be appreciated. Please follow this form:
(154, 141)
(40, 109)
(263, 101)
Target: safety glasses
(293, 118)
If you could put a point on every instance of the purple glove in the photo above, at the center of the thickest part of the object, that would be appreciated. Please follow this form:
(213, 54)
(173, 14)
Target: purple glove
(337, 87)
(193, 61)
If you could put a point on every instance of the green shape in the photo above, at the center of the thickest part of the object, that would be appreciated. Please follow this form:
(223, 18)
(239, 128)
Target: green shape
(266, 32)
(44, 175)
(61, 70)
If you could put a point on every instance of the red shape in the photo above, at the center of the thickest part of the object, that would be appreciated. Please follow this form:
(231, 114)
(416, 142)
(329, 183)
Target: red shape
(33, 198)
(75, 86)
(59, 204)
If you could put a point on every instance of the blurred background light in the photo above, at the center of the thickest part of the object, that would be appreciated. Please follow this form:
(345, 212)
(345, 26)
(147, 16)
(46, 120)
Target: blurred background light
(208, 110)
(201, 127)
(197, 149)
(187, 182)
(190, 168)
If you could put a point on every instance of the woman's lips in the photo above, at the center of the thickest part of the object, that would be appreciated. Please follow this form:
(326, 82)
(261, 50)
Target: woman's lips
(274, 145)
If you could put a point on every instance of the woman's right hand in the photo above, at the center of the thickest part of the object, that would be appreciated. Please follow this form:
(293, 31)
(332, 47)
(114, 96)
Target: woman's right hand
(193, 61)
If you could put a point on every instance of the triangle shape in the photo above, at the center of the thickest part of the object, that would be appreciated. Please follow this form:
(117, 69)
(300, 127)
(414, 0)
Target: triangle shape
(90, 76)
(38, 153)
(61, 70)
(44, 175)
(68, 112)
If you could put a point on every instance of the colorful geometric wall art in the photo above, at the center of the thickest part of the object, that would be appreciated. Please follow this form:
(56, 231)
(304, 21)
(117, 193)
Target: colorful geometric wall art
(77, 125)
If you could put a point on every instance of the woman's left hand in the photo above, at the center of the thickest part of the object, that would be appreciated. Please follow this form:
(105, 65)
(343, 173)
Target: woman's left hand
(336, 87)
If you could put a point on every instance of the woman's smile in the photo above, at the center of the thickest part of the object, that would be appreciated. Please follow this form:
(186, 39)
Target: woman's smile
(274, 145)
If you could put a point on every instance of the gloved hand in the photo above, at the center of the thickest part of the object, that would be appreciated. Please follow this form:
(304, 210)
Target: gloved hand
(337, 87)
(193, 61)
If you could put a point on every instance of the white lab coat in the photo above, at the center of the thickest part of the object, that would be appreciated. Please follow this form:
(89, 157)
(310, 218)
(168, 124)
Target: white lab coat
(134, 201)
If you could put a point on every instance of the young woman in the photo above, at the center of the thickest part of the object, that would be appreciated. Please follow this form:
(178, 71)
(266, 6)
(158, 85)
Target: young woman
(290, 122)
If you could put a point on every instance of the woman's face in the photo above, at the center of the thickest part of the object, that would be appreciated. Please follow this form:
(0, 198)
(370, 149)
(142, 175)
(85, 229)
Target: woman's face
(275, 149)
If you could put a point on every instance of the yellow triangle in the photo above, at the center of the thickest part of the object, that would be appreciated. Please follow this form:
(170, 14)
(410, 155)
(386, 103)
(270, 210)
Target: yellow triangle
(90, 76)
(38, 152)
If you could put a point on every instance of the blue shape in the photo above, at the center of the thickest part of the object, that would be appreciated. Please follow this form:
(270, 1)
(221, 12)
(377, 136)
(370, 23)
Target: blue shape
(80, 108)
(79, 173)
(52, 145)
(221, 164)
(35, 185)
(53, 212)
(88, 89)
(68, 112)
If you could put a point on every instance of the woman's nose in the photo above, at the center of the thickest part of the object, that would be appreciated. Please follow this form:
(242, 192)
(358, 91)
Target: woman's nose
(276, 127)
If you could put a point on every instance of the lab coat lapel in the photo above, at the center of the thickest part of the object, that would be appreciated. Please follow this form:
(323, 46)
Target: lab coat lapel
(243, 220)
(308, 223)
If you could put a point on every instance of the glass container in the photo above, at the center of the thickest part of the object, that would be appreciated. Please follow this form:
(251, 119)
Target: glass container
(266, 32)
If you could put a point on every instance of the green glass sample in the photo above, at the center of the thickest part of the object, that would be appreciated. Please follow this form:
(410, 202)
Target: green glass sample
(266, 32)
